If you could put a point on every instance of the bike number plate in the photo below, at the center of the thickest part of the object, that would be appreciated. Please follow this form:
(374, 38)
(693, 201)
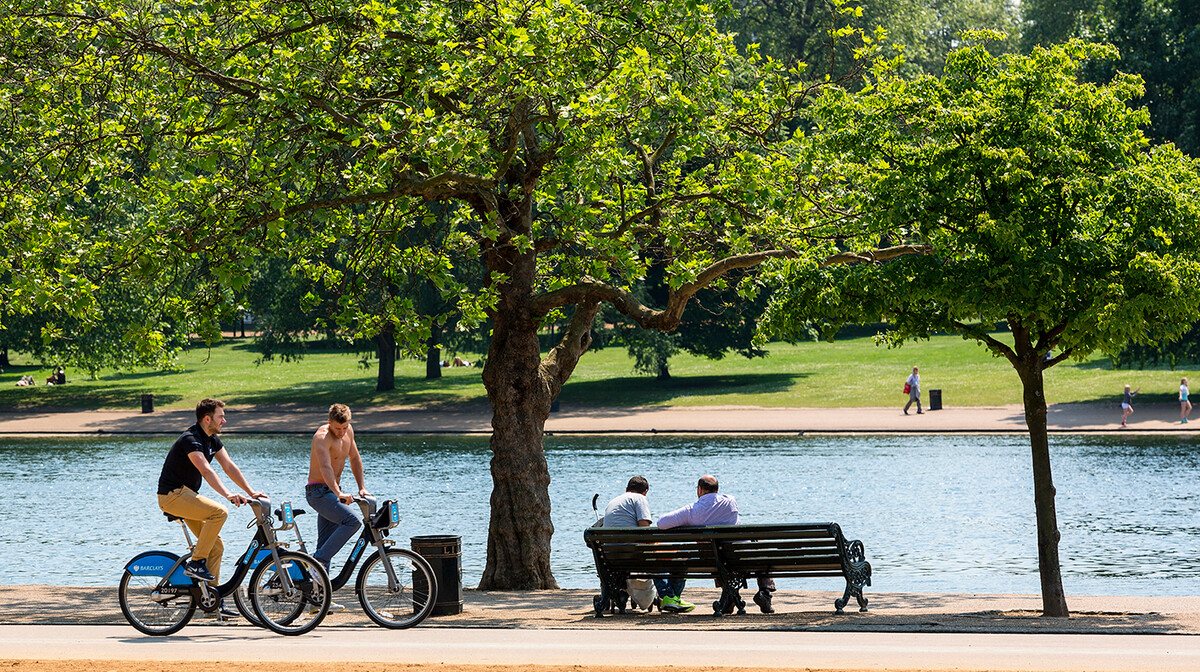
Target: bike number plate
(287, 513)
(394, 513)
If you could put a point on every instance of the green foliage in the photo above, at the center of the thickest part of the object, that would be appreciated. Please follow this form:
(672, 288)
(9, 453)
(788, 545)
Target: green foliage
(1156, 39)
(1043, 203)
(923, 31)
(221, 133)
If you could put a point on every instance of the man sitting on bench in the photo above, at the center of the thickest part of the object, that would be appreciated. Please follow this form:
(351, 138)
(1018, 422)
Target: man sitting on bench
(710, 508)
(631, 509)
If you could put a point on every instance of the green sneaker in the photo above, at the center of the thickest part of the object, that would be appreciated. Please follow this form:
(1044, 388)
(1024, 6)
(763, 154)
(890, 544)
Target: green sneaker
(676, 605)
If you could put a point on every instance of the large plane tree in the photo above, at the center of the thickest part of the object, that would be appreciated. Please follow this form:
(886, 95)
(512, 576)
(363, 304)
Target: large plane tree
(573, 144)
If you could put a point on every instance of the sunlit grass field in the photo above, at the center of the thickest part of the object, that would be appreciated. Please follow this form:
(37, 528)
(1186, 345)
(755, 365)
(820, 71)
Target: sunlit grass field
(848, 373)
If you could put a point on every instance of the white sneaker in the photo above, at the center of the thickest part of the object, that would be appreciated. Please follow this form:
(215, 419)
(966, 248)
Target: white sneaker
(334, 608)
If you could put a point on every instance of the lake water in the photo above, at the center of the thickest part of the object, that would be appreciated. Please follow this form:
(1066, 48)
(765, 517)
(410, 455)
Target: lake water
(936, 513)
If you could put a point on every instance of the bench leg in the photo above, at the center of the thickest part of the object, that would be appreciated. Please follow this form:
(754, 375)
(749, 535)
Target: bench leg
(730, 599)
(856, 591)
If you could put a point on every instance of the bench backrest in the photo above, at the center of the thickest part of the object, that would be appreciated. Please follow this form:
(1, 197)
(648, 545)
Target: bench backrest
(781, 550)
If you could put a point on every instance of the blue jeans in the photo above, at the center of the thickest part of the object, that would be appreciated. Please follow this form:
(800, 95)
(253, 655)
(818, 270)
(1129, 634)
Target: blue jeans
(336, 522)
(671, 587)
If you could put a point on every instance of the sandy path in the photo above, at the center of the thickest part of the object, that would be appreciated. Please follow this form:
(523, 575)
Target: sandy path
(1162, 418)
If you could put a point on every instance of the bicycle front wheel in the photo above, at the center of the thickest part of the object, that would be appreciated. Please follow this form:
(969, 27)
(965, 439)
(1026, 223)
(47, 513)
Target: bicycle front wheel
(149, 611)
(294, 610)
(406, 602)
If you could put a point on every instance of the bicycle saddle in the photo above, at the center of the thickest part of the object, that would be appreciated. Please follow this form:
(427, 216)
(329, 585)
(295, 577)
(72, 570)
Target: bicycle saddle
(295, 512)
(171, 518)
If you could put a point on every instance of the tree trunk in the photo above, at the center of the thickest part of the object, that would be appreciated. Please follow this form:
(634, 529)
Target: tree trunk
(521, 386)
(385, 348)
(518, 550)
(4, 356)
(1054, 600)
(664, 373)
(433, 353)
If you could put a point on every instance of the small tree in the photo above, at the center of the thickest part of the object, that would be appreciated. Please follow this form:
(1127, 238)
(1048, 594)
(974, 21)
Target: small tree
(1044, 207)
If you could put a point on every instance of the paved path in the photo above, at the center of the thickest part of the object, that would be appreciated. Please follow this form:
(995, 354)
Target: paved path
(1162, 418)
(813, 650)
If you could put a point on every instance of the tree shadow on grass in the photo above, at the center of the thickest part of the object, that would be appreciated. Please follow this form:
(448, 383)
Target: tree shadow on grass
(643, 390)
(141, 375)
(21, 399)
(414, 391)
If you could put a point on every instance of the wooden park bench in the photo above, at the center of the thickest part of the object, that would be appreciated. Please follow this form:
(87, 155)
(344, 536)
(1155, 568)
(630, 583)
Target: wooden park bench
(730, 554)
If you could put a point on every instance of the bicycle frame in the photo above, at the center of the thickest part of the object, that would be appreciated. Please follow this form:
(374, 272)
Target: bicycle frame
(174, 582)
(370, 536)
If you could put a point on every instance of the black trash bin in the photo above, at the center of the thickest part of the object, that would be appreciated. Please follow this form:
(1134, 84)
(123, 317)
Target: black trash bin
(147, 403)
(935, 400)
(444, 553)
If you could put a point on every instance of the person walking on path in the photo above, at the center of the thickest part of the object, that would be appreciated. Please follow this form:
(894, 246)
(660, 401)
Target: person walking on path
(913, 383)
(332, 444)
(1185, 406)
(1127, 404)
(187, 463)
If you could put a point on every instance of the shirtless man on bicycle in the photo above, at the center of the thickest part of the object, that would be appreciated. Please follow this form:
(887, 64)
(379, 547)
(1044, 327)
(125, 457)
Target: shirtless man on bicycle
(186, 465)
(332, 444)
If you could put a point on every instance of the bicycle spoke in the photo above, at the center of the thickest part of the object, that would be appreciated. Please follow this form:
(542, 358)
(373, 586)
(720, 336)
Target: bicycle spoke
(405, 603)
(149, 611)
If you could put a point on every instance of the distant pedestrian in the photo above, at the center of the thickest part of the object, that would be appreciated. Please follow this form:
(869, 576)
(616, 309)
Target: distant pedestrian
(913, 385)
(1127, 404)
(1185, 406)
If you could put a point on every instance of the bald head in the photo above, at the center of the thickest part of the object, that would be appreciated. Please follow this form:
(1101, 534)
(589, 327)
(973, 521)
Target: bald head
(707, 484)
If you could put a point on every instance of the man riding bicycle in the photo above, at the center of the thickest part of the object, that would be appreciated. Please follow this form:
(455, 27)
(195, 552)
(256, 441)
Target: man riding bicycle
(332, 444)
(186, 465)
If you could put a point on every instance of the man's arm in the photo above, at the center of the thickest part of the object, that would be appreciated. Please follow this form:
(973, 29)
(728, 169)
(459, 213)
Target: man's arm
(356, 465)
(235, 475)
(642, 511)
(681, 517)
(214, 481)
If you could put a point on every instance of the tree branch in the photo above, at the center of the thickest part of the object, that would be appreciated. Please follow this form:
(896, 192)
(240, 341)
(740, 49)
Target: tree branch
(977, 332)
(590, 290)
(560, 362)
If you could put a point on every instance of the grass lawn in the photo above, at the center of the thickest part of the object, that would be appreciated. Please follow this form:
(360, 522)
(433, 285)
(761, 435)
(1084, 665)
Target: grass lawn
(847, 373)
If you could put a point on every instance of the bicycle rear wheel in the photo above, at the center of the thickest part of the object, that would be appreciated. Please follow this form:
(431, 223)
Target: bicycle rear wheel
(150, 612)
(409, 601)
(293, 612)
(241, 597)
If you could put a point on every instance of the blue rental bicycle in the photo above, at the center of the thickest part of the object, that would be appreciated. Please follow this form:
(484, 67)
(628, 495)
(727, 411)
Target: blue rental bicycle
(289, 591)
(396, 586)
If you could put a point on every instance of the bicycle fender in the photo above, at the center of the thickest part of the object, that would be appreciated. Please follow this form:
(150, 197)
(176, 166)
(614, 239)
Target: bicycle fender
(156, 563)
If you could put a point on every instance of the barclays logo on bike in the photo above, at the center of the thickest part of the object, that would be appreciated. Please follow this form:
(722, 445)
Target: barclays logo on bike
(250, 551)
